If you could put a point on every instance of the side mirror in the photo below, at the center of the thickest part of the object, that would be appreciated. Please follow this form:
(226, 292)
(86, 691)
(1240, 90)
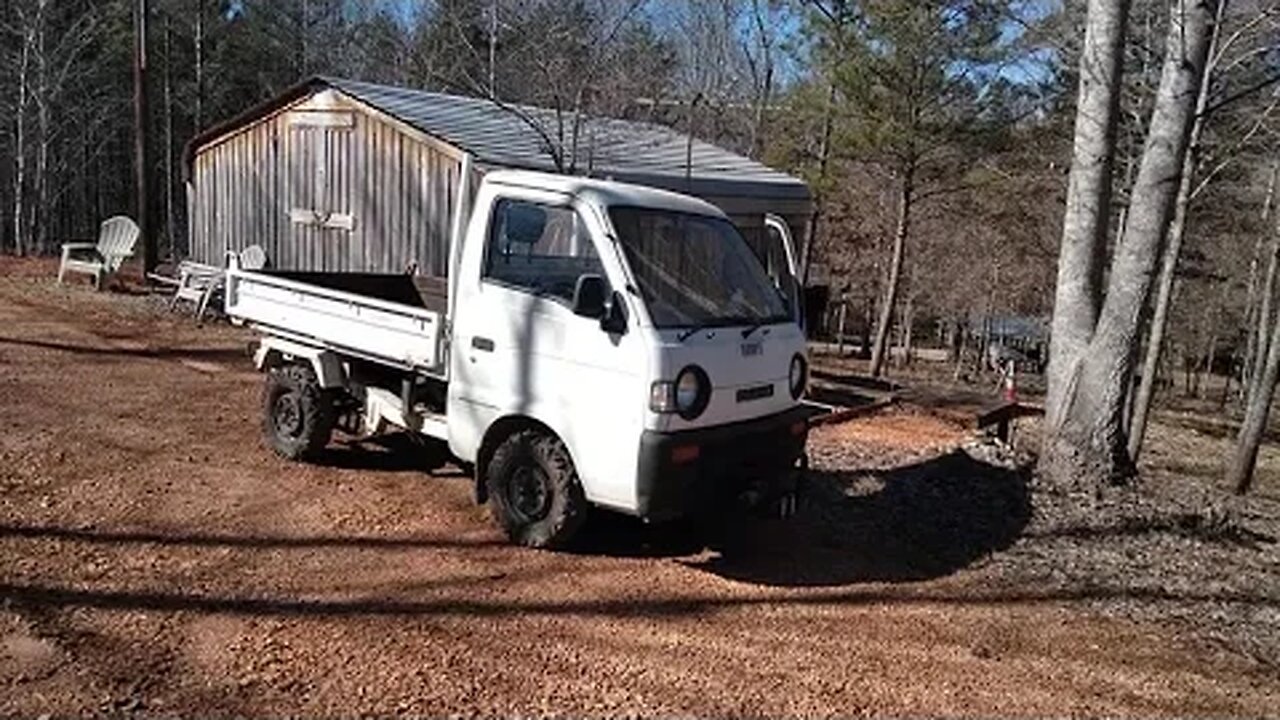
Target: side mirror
(614, 320)
(589, 296)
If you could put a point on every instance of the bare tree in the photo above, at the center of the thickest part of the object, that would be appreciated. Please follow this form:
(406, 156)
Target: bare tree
(1260, 305)
(1240, 468)
(1084, 224)
(1172, 251)
(759, 49)
(916, 81)
(26, 33)
(566, 48)
(1086, 443)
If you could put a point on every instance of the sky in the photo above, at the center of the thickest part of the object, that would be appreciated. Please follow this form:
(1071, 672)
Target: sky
(1034, 68)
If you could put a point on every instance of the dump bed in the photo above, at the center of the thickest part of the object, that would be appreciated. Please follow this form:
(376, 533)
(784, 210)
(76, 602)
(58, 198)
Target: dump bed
(355, 323)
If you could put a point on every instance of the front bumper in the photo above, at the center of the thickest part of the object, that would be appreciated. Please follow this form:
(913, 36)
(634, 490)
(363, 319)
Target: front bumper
(757, 455)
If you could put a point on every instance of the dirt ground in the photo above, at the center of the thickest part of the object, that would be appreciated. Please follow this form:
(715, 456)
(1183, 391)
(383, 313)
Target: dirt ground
(155, 559)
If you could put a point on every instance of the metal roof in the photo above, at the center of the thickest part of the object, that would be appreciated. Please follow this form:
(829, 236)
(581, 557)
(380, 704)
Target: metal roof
(512, 136)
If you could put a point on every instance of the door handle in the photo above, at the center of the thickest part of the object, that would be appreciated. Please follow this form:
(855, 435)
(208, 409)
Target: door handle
(482, 343)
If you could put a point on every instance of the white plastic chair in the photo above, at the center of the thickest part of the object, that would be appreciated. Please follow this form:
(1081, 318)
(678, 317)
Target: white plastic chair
(252, 257)
(116, 241)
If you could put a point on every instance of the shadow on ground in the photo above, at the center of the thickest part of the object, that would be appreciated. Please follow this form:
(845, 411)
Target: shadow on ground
(905, 524)
(394, 452)
(896, 526)
(182, 539)
(190, 353)
(909, 523)
(611, 534)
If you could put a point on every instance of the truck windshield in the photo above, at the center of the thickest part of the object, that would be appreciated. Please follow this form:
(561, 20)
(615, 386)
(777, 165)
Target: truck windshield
(695, 270)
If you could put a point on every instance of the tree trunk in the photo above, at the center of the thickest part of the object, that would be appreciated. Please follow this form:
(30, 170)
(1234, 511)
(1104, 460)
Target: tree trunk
(759, 126)
(1257, 408)
(1266, 298)
(1172, 251)
(1260, 390)
(864, 331)
(1226, 391)
(1210, 355)
(141, 145)
(41, 212)
(1248, 369)
(20, 146)
(302, 62)
(961, 346)
(953, 341)
(824, 152)
(844, 309)
(493, 49)
(880, 347)
(907, 320)
(1084, 225)
(198, 119)
(1130, 395)
(1088, 445)
(1160, 313)
(171, 222)
(84, 200)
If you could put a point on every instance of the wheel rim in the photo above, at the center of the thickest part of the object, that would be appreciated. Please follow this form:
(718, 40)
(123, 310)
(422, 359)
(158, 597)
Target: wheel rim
(286, 415)
(529, 494)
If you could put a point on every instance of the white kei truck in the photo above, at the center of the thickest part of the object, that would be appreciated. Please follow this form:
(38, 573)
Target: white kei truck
(597, 344)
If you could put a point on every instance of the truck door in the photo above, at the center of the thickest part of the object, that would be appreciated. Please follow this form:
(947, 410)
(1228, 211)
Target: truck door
(786, 271)
(520, 350)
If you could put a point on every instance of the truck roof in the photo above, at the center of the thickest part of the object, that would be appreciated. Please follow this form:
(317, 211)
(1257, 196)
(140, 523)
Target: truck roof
(606, 192)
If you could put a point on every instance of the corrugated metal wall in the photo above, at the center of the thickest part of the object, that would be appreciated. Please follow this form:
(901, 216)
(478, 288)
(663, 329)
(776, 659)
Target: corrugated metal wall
(325, 189)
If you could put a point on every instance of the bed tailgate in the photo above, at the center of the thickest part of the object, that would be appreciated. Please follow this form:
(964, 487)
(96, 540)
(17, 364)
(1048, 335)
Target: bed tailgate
(363, 326)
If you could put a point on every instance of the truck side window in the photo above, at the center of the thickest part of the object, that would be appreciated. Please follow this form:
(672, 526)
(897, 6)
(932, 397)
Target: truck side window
(541, 248)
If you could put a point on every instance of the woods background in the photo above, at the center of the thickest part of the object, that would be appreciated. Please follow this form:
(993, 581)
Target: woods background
(936, 135)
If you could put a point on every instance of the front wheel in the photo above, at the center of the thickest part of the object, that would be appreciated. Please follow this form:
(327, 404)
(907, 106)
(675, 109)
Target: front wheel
(534, 490)
(298, 415)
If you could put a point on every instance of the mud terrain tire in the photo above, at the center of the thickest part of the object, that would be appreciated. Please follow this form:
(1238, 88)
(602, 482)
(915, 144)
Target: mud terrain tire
(297, 414)
(534, 491)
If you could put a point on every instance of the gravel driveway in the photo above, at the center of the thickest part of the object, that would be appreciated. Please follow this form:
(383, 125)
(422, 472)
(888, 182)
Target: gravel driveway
(156, 559)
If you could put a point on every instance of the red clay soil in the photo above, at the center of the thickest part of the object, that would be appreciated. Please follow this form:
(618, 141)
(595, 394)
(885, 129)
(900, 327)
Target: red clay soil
(156, 559)
(900, 427)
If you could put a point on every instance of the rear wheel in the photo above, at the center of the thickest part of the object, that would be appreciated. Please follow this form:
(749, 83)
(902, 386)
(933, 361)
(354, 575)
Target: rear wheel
(534, 490)
(298, 415)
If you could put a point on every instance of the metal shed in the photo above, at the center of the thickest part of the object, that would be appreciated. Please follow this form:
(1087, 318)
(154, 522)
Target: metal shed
(343, 176)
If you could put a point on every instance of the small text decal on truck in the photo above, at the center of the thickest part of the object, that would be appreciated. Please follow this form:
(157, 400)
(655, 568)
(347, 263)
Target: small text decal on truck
(751, 349)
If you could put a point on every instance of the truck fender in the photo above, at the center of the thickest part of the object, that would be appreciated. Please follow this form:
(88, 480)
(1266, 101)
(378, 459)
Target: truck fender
(273, 352)
(500, 430)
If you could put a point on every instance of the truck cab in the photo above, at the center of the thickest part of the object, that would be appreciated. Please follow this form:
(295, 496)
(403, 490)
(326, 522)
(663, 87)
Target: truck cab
(604, 344)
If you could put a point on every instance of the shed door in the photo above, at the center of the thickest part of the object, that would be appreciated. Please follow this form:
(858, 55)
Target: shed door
(319, 193)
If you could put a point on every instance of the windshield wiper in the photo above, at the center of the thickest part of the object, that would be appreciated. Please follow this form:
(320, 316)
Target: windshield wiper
(688, 333)
(752, 326)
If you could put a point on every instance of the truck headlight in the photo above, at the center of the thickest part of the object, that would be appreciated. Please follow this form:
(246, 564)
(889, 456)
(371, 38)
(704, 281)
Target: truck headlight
(687, 396)
(798, 377)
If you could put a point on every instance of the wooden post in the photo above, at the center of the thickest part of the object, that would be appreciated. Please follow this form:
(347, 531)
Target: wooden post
(141, 154)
